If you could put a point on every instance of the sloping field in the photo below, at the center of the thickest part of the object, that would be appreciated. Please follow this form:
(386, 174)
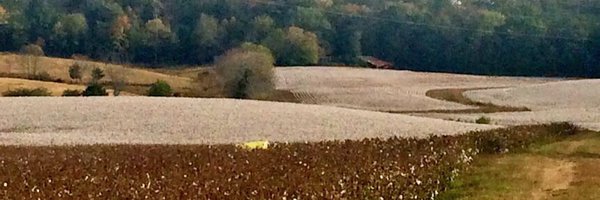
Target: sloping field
(56, 88)
(59, 68)
(142, 120)
(565, 101)
(588, 118)
(383, 90)
(556, 95)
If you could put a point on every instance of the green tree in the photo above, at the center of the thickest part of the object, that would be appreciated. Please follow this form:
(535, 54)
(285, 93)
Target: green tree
(160, 89)
(41, 17)
(261, 26)
(311, 19)
(75, 71)
(207, 35)
(246, 72)
(294, 47)
(95, 89)
(207, 30)
(490, 20)
(69, 33)
(71, 25)
(159, 34)
(97, 75)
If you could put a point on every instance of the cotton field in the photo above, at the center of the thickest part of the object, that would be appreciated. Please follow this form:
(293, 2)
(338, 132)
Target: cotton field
(575, 101)
(383, 90)
(144, 120)
(555, 95)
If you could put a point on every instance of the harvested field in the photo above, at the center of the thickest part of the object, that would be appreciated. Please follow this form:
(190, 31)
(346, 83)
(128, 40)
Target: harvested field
(56, 88)
(384, 90)
(556, 95)
(59, 68)
(143, 120)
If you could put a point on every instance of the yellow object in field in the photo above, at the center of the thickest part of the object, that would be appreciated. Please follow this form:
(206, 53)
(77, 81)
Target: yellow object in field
(255, 145)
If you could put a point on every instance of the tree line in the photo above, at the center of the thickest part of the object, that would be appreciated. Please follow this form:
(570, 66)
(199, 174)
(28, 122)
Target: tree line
(496, 37)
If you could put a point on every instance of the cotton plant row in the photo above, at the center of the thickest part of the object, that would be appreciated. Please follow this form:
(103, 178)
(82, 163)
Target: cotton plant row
(394, 168)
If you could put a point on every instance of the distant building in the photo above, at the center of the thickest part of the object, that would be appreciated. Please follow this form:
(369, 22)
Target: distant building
(376, 63)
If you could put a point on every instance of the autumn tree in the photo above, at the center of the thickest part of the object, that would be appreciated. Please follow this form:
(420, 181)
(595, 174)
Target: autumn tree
(247, 72)
(3, 15)
(206, 34)
(118, 33)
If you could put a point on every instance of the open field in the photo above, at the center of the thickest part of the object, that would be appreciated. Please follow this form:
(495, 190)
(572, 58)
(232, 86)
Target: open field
(549, 96)
(56, 88)
(383, 90)
(564, 101)
(59, 68)
(144, 120)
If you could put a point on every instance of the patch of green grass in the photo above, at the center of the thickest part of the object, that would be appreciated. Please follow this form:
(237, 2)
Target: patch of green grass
(492, 177)
(518, 175)
(588, 143)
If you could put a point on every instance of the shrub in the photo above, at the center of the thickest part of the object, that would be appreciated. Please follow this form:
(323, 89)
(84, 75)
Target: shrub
(42, 76)
(95, 89)
(160, 89)
(97, 74)
(75, 71)
(483, 120)
(25, 92)
(247, 72)
(72, 93)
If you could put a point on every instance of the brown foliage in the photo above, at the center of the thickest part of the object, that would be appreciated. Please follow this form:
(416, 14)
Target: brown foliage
(247, 72)
(367, 169)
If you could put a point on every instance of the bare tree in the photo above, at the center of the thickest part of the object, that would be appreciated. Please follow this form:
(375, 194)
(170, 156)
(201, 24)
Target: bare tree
(118, 77)
(30, 59)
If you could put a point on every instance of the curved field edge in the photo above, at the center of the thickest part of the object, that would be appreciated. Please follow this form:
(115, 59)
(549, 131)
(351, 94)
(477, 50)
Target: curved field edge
(457, 95)
(351, 169)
